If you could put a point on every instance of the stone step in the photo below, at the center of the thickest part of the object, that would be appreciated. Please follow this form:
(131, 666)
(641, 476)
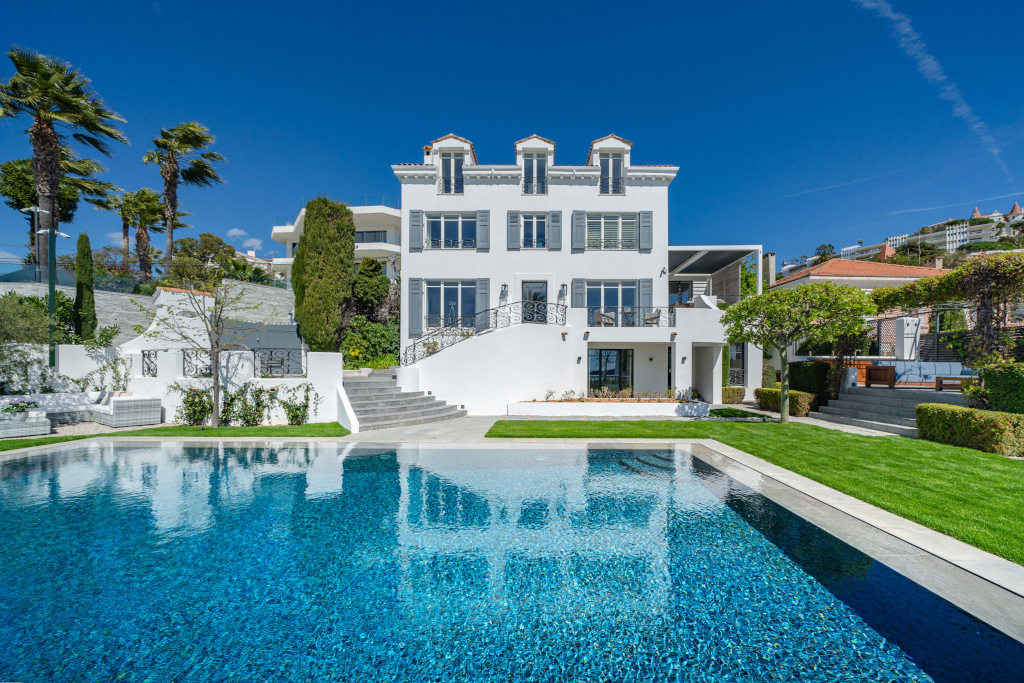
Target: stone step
(368, 382)
(367, 403)
(410, 422)
(905, 395)
(891, 401)
(894, 411)
(868, 424)
(869, 416)
(389, 415)
(378, 391)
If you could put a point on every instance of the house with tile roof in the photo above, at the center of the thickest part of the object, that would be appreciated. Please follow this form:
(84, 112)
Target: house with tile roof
(866, 275)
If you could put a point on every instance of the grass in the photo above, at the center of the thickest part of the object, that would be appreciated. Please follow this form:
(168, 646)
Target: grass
(284, 431)
(732, 412)
(966, 494)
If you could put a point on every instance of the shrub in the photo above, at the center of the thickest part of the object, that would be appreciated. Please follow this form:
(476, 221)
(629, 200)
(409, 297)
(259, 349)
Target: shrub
(145, 289)
(85, 297)
(983, 430)
(768, 378)
(725, 366)
(811, 377)
(733, 394)
(297, 402)
(800, 402)
(371, 285)
(1004, 387)
(382, 362)
(368, 340)
(196, 405)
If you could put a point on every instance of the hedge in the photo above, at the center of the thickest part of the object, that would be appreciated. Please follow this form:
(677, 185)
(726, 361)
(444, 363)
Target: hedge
(1004, 387)
(810, 376)
(733, 394)
(768, 376)
(800, 402)
(983, 430)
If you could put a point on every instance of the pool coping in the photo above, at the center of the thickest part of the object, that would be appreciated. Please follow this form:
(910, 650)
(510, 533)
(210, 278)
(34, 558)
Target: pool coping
(997, 572)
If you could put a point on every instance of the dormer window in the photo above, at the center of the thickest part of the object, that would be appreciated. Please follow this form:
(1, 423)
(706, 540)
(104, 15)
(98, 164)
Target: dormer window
(611, 173)
(535, 173)
(450, 181)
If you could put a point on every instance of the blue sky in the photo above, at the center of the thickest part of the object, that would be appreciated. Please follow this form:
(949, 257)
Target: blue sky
(793, 122)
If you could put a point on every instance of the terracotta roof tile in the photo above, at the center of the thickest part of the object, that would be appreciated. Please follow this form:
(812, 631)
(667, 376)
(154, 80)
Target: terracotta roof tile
(457, 137)
(838, 267)
(531, 137)
(606, 137)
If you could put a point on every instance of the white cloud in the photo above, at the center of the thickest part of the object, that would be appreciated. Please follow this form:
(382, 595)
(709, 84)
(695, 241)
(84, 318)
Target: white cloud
(114, 237)
(252, 243)
(8, 257)
(237, 232)
(929, 67)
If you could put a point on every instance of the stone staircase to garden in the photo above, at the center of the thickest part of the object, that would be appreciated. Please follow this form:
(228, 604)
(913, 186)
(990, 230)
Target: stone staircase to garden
(883, 409)
(380, 404)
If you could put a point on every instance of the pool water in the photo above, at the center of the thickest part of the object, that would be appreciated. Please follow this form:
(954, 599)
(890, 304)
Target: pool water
(338, 562)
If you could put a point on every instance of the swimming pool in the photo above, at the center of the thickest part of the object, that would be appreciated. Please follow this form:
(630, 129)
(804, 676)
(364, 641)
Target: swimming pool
(341, 562)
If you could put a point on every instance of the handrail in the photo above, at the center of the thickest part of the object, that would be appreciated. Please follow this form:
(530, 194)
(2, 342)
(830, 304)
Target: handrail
(454, 329)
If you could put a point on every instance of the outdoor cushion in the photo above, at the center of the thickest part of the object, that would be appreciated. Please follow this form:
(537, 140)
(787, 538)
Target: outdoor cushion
(108, 409)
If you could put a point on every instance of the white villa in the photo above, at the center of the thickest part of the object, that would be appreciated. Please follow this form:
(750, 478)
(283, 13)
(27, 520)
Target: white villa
(535, 276)
(378, 235)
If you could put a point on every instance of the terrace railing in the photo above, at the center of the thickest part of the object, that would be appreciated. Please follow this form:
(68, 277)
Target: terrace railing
(450, 330)
(631, 316)
(271, 362)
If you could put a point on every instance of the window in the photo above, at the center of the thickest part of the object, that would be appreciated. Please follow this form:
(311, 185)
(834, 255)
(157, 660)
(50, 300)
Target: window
(535, 231)
(611, 369)
(611, 173)
(451, 303)
(451, 173)
(535, 173)
(611, 303)
(611, 231)
(367, 236)
(679, 293)
(450, 231)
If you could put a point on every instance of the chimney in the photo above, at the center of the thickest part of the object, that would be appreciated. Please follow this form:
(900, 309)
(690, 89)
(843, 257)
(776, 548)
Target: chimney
(934, 262)
(768, 268)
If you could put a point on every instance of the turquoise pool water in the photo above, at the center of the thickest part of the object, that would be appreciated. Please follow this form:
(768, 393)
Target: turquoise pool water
(334, 562)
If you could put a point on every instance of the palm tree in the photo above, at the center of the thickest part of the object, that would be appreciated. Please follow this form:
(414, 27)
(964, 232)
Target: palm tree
(123, 205)
(238, 269)
(180, 156)
(61, 103)
(146, 212)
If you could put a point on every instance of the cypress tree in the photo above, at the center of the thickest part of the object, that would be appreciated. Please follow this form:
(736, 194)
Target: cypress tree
(84, 311)
(323, 271)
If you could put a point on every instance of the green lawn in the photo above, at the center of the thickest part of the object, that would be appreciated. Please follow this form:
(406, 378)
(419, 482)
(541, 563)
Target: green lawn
(732, 412)
(279, 431)
(967, 494)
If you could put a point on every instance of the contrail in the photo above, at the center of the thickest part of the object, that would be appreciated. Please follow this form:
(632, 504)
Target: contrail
(975, 202)
(929, 67)
(844, 184)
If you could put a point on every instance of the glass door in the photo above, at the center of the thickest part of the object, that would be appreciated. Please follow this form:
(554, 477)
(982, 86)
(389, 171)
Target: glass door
(611, 369)
(535, 302)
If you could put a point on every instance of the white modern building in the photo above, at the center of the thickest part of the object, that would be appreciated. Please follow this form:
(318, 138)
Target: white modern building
(533, 276)
(378, 236)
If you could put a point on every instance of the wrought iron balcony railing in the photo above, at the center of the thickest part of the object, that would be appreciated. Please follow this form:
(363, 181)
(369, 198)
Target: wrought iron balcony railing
(631, 316)
(197, 364)
(149, 363)
(429, 243)
(449, 185)
(613, 185)
(626, 244)
(737, 377)
(535, 185)
(445, 331)
(539, 243)
(280, 362)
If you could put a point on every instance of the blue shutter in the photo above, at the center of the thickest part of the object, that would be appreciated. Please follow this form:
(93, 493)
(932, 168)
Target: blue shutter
(414, 305)
(554, 230)
(579, 229)
(513, 230)
(483, 302)
(646, 230)
(646, 295)
(579, 293)
(415, 229)
(483, 229)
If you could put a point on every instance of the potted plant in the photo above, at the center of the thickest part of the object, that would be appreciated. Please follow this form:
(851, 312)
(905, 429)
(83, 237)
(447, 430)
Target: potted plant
(17, 408)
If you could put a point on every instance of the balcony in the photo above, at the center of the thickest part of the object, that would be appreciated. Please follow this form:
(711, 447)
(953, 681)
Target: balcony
(612, 245)
(449, 185)
(539, 243)
(613, 185)
(376, 237)
(535, 186)
(631, 316)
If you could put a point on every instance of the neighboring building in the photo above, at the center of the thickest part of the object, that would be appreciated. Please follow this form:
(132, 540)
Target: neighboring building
(950, 234)
(255, 261)
(574, 261)
(866, 275)
(378, 235)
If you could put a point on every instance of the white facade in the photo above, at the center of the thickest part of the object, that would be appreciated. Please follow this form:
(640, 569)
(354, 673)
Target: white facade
(578, 256)
(378, 235)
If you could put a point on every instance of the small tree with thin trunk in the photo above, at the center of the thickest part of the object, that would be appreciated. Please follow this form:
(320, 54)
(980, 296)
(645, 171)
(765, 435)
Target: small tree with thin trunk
(781, 317)
(85, 294)
(199, 319)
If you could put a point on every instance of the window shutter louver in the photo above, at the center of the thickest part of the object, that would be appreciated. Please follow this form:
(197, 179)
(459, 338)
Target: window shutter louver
(483, 229)
(483, 302)
(645, 295)
(415, 229)
(415, 304)
(579, 293)
(555, 230)
(513, 230)
(646, 230)
(579, 230)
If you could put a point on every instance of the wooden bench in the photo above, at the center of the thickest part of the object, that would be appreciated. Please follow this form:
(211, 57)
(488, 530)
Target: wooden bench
(880, 374)
(950, 382)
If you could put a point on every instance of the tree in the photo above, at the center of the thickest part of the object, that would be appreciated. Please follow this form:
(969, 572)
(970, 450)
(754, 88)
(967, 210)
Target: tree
(915, 253)
(778, 318)
(238, 269)
(323, 271)
(147, 210)
(371, 285)
(209, 248)
(824, 252)
(61, 103)
(85, 295)
(180, 156)
(748, 276)
(198, 317)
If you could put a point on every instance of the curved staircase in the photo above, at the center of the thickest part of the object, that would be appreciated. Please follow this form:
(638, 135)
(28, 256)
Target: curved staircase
(380, 404)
